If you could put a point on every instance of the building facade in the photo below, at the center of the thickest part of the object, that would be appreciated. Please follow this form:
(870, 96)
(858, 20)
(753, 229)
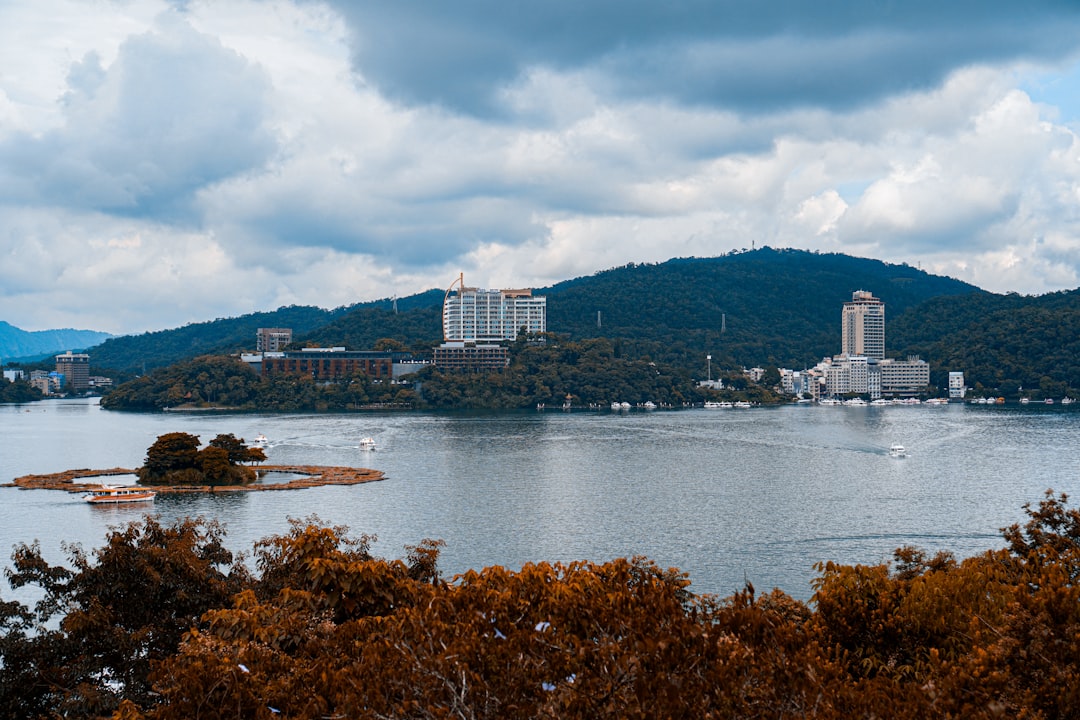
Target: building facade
(904, 378)
(272, 339)
(471, 357)
(75, 367)
(863, 326)
(477, 315)
(957, 388)
(331, 363)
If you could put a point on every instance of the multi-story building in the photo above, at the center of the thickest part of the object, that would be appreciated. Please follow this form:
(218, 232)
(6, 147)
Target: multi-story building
(863, 326)
(476, 315)
(331, 363)
(471, 357)
(272, 339)
(957, 389)
(75, 367)
(904, 378)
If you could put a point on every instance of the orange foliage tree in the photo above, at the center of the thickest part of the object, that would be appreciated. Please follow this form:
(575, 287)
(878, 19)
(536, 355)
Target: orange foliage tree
(326, 630)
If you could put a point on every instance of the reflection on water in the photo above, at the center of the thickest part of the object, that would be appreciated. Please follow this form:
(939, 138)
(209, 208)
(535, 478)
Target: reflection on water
(726, 496)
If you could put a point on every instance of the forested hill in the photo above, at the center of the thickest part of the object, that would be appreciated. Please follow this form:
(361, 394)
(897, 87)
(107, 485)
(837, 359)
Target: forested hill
(139, 353)
(774, 307)
(777, 307)
(1004, 343)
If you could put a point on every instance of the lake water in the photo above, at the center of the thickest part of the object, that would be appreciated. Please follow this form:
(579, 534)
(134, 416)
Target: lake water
(724, 495)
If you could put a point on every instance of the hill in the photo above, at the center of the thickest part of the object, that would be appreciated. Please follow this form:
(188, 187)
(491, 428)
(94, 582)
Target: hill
(1009, 344)
(17, 344)
(764, 307)
(133, 354)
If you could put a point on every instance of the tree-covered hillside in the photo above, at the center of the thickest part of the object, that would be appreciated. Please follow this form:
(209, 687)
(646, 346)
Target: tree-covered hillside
(775, 307)
(139, 353)
(1003, 343)
(782, 307)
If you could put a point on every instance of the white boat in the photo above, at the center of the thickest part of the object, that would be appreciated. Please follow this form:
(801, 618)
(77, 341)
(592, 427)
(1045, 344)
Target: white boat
(1067, 401)
(118, 494)
(742, 405)
(649, 405)
(897, 451)
(712, 405)
(367, 443)
(260, 441)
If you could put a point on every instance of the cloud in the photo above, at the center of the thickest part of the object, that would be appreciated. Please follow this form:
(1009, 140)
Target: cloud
(173, 113)
(763, 56)
(202, 159)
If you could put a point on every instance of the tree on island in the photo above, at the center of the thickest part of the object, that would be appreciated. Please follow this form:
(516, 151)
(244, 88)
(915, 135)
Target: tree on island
(175, 459)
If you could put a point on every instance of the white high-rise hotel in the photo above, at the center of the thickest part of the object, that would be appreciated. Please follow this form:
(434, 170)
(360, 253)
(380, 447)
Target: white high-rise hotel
(474, 315)
(863, 331)
(862, 367)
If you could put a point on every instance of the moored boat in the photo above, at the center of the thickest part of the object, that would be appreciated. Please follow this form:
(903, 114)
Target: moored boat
(107, 494)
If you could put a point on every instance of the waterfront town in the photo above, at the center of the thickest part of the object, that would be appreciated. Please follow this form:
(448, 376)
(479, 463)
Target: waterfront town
(478, 325)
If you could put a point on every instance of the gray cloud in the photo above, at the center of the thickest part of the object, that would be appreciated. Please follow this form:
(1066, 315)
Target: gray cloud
(174, 113)
(759, 56)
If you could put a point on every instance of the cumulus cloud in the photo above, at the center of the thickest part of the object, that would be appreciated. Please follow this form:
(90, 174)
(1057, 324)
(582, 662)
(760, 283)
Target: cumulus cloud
(748, 56)
(173, 113)
(203, 159)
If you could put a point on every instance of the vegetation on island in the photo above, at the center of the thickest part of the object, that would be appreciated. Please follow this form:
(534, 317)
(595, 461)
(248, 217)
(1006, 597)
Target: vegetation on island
(765, 308)
(176, 459)
(163, 622)
(546, 370)
(18, 391)
(225, 382)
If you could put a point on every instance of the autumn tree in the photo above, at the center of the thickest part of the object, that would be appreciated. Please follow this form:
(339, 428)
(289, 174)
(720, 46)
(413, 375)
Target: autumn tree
(102, 622)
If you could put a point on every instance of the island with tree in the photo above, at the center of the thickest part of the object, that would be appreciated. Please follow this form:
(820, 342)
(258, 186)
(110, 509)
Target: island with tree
(175, 464)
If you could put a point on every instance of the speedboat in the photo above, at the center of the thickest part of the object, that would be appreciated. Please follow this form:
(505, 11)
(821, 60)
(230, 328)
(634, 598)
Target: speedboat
(113, 494)
(897, 451)
(367, 443)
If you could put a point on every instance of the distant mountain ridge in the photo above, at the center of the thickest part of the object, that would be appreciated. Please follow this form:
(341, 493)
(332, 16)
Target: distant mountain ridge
(766, 306)
(16, 343)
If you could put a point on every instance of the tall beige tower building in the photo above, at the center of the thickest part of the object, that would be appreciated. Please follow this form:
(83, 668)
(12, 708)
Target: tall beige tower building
(863, 326)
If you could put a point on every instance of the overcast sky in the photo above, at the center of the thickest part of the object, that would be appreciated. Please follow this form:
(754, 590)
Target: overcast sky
(171, 162)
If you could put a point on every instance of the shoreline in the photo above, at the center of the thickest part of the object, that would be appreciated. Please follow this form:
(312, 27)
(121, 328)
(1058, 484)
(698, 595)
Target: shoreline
(313, 476)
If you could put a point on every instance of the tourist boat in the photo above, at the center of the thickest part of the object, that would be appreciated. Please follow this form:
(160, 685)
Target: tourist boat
(367, 443)
(114, 494)
(897, 451)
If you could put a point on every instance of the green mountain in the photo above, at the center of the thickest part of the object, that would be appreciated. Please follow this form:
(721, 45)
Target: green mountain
(1009, 344)
(133, 354)
(765, 307)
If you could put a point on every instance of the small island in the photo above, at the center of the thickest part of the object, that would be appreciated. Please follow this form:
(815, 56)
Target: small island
(175, 464)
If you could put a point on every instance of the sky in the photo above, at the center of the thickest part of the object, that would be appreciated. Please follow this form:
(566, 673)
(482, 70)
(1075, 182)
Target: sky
(164, 163)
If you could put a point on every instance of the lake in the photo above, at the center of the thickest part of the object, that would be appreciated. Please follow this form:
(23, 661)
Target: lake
(727, 496)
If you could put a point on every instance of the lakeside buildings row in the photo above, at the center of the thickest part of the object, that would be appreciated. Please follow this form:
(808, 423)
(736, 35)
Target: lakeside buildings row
(477, 324)
(861, 368)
